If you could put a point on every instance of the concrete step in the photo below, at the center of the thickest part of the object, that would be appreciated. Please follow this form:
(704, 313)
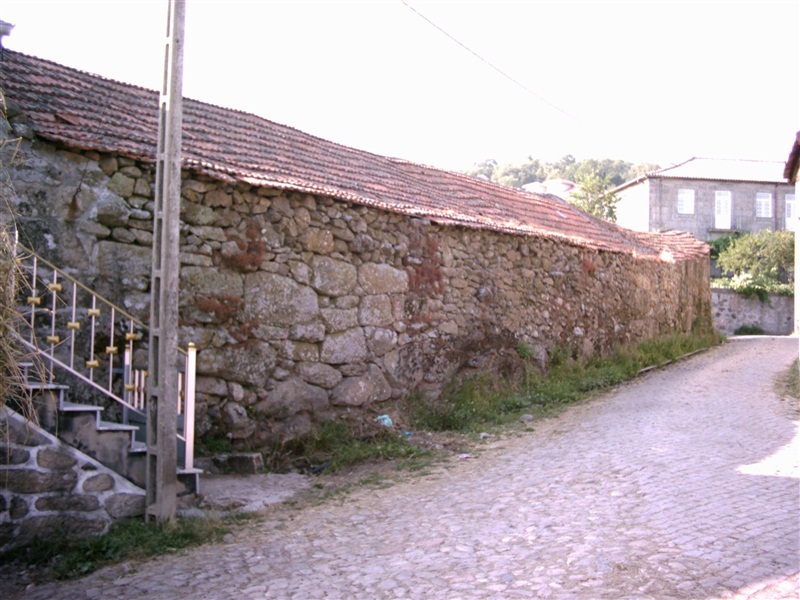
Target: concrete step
(109, 443)
(45, 399)
(75, 407)
(189, 481)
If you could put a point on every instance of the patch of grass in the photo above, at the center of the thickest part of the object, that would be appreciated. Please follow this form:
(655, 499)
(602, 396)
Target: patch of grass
(788, 382)
(61, 558)
(524, 351)
(749, 330)
(216, 446)
(474, 404)
(377, 480)
(338, 444)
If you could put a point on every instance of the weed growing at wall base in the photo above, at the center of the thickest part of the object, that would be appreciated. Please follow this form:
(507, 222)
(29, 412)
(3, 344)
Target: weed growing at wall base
(470, 404)
(787, 384)
(339, 444)
(749, 330)
(473, 405)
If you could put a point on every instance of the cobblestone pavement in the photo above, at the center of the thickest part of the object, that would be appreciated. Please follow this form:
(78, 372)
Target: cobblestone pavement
(682, 484)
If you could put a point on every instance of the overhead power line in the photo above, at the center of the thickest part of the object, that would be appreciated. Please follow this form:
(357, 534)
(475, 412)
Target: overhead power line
(483, 60)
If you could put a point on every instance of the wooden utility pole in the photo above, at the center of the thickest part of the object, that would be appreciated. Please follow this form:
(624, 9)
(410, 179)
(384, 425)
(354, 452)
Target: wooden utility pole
(162, 405)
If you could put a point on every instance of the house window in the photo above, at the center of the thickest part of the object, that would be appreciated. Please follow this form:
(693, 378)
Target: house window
(791, 213)
(685, 202)
(763, 205)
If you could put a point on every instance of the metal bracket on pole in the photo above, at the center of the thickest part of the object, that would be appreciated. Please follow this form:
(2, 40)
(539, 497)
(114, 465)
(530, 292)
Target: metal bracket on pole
(162, 405)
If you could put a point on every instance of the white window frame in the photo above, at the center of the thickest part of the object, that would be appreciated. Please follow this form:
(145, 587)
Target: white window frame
(791, 212)
(685, 202)
(763, 205)
(723, 218)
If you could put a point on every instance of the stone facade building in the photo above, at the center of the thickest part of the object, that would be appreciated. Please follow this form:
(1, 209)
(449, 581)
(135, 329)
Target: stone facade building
(709, 198)
(315, 278)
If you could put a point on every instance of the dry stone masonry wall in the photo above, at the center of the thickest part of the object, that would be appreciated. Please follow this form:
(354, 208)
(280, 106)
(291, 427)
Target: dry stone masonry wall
(303, 305)
(49, 486)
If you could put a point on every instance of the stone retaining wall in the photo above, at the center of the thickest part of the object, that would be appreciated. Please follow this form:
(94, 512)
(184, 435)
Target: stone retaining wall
(731, 310)
(303, 306)
(49, 486)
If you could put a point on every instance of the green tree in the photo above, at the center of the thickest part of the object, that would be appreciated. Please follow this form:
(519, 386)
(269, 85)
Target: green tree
(594, 196)
(518, 175)
(638, 170)
(722, 243)
(595, 178)
(484, 169)
(558, 169)
(765, 254)
(613, 172)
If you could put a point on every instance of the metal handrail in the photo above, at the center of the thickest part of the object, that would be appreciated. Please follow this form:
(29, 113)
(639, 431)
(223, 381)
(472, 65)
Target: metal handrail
(62, 274)
(59, 319)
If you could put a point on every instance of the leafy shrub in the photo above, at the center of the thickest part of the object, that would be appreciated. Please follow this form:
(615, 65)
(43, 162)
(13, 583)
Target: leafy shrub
(749, 330)
(766, 254)
(760, 287)
(721, 244)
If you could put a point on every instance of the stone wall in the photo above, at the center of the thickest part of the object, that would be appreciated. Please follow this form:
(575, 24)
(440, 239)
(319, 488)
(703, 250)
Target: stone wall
(303, 306)
(48, 486)
(731, 311)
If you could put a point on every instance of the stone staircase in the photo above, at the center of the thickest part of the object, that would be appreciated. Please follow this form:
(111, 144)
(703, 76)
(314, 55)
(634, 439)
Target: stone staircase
(86, 377)
(120, 446)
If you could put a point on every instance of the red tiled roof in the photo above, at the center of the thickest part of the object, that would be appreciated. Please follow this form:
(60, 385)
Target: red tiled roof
(716, 169)
(792, 166)
(88, 112)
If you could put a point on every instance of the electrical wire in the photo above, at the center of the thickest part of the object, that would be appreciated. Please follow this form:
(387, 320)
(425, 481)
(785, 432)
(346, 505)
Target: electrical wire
(486, 62)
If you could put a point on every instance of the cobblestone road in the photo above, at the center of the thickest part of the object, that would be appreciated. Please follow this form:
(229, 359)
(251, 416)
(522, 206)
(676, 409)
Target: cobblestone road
(682, 484)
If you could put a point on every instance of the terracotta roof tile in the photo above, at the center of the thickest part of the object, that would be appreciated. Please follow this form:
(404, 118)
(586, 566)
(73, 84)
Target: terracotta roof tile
(716, 169)
(792, 166)
(89, 112)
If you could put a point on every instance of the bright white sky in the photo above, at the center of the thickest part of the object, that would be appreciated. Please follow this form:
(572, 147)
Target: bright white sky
(642, 81)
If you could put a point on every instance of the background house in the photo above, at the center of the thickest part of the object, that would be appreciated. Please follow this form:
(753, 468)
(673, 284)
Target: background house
(561, 188)
(709, 198)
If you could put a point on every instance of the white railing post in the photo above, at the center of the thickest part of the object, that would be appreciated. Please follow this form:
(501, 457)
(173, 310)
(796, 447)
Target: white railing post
(128, 389)
(188, 405)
